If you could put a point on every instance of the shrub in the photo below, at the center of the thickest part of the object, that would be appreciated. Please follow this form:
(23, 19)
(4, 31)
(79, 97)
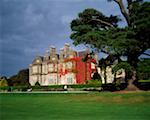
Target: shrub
(4, 88)
(84, 86)
(114, 86)
(3, 82)
(143, 84)
(94, 82)
(47, 88)
(144, 81)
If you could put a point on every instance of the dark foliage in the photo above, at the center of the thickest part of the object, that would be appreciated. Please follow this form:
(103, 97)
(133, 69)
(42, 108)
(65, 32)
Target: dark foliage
(101, 32)
(21, 79)
(143, 69)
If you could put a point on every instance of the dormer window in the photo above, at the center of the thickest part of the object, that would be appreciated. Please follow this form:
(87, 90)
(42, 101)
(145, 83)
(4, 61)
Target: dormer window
(69, 65)
(53, 59)
(71, 56)
(35, 69)
(37, 61)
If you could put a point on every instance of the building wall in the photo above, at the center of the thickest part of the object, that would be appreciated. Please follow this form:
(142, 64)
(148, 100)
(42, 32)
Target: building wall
(67, 68)
(52, 79)
(33, 79)
(110, 76)
(81, 72)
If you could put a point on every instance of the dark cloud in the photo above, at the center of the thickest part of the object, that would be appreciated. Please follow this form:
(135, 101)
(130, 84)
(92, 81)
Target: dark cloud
(30, 26)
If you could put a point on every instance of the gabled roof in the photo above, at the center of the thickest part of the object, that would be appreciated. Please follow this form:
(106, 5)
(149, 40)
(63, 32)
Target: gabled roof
(38, 60)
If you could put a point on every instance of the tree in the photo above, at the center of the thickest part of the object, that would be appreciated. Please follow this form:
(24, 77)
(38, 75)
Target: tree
(22, 78)
(101, 32)
(3, 81)
(104, 63)
(125, 66)
(37, 84)
(96, 76)
(143, 69)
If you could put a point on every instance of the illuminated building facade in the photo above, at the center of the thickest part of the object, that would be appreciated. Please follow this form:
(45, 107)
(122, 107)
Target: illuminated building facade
(64, 68)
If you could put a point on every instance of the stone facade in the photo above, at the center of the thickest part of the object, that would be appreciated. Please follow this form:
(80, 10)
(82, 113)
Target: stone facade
(64, 68)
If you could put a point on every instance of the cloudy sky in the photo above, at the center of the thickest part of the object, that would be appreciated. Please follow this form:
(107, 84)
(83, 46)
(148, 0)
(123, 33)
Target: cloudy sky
(29, 27)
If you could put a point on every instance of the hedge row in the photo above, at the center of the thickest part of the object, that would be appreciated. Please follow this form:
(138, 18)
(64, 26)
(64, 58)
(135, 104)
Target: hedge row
(13, 88)
(142, 84)
(144, 81)
(48, 88)
(61, 87)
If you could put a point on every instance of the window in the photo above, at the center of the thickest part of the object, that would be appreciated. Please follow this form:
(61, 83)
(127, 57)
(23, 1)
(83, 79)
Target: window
(69, 80)
(69, 65)
(71, 56)
(53, 58)
(37, 61)
(35, 78)
(92, 66)
(50, 67)
(35, 69)
(52, 80)
(44, 67)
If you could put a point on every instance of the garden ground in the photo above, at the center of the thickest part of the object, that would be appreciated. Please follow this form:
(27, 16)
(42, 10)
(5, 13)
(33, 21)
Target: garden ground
(75, 106)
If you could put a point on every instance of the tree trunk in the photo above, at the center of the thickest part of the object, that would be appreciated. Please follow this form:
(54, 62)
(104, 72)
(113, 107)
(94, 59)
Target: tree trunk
(105, 77)
(131, 86)
(115, 78)
(132, 60)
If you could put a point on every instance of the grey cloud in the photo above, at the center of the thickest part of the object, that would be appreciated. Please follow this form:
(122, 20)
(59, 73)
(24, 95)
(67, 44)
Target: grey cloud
(30, 26)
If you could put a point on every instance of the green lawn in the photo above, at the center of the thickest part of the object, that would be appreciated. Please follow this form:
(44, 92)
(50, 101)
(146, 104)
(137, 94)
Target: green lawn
(90, 106)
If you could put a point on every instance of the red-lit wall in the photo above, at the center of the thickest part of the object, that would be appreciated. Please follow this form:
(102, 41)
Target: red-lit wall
(84, 71)
(81, 70)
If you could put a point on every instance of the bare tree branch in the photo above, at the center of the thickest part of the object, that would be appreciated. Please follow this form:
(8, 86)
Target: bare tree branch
(123, 10)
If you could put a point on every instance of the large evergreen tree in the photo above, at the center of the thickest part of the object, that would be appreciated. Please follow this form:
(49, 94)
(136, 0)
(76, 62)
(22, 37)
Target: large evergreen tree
(101, 32)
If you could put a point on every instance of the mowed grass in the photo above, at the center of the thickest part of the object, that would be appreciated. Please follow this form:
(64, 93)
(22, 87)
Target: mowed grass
(91, 106)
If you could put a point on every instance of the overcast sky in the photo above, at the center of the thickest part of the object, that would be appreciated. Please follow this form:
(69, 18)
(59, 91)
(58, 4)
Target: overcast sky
(29, 27)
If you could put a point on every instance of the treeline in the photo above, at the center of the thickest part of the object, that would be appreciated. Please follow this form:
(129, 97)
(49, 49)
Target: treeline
(20, 79)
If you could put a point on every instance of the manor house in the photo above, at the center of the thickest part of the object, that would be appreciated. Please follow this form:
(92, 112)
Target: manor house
(64, 68)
